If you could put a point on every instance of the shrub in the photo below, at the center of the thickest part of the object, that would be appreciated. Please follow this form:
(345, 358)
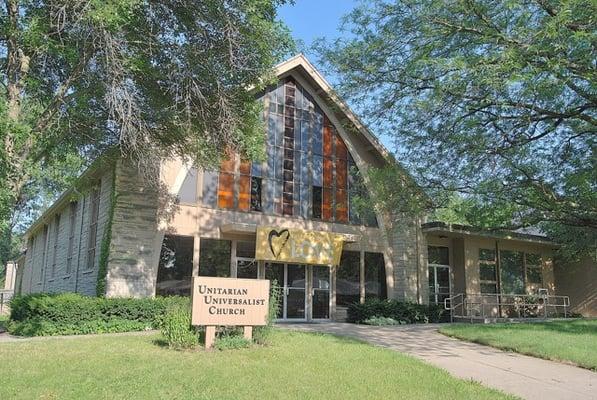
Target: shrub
(410, 313)
(43, 314)
(382, 321)
(176, 327)
(231, 342)
(262, 334)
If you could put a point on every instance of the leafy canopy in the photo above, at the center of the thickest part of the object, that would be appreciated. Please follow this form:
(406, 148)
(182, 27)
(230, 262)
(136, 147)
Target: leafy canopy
(156, 78)
(492, 101)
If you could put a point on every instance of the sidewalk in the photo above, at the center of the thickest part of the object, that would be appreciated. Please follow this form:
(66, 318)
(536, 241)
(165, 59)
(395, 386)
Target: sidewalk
(524, 376)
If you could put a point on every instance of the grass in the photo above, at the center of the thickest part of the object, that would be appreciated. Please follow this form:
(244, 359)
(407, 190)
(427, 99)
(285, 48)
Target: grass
(569, 341)
(296, 366)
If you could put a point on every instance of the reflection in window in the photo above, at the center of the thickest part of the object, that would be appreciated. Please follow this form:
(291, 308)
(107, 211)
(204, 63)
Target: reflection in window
(375, 276)
(488, 271)
(534, 269)
(175, 267)
(438, 255)
(348, 278)
(188, 190)
(317, 202)
(256, 194)
(511, 272)
(214, 258)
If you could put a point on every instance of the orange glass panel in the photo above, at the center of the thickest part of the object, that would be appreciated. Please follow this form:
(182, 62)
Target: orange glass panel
(341, 150)
(245, 167)
(326, 211)
(328, 172)
(226, 191)
(327, 141)
(244, 193)
(341, 206)
(341, 174)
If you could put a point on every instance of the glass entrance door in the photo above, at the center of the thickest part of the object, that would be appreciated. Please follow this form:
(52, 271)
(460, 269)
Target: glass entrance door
(439, 283)
(292, 280)
(320, 292)
(295, 299)
(305, 290)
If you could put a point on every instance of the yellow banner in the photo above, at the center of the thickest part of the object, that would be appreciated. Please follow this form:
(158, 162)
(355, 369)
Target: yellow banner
(298, 246)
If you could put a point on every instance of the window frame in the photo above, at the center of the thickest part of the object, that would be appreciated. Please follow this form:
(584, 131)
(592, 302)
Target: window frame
(73, 209)
(93, 225)
(493, 262)
(56, 235)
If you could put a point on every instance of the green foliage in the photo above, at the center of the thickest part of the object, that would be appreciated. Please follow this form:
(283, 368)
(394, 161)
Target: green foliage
(106, 239)
(403, 312)
(492, 101)
(231, 342)
(81, 77)
(382, 321)
(70, 313)
(262, 334)
(176, 327)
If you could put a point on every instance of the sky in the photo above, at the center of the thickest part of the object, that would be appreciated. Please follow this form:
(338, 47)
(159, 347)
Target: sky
(312, 19)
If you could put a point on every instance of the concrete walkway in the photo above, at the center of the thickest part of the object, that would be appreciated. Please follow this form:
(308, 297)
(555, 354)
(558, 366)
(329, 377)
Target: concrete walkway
(527, 377)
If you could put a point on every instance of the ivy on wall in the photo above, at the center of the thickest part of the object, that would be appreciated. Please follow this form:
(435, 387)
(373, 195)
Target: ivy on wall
(102, 272)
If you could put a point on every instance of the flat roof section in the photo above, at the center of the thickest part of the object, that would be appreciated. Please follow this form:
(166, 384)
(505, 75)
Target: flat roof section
(455, 230)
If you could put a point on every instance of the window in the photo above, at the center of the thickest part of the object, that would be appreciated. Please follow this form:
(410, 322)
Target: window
(438, 255)
(348, 280)
(256, 194)
(188, 190)
(55, 249)
(214, 257)
(375, 276)
(511, 272)
(92, 239)
(487, 271)
(175, 267)
(246, 266)
(317, 202)
(44, 245)
(308, 171)
(72, 216)
(534, 270)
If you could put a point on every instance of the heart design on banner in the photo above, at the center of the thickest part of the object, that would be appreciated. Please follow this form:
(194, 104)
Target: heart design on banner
(281, 238)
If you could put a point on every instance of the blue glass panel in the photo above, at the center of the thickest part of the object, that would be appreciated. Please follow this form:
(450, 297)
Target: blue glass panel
(271, 129)
(305, 203)
(210, 188)
(297, 167)
(256, 168)
(271, 163)
(267, 190)
(304, 172)
(278, 163)
(279, 132)
(304, 134)
(279, 93)
(317, 135)
(317, 170)
(297, 136)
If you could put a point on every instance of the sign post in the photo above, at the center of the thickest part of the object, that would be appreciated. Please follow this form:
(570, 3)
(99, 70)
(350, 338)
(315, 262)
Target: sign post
(229, 302)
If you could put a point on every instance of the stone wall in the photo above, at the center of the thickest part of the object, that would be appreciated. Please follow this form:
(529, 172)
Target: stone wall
(133, 248)
(45, 266)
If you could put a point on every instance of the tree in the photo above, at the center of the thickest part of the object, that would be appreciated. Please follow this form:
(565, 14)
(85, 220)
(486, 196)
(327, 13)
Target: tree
(493, 101)
(152, 77)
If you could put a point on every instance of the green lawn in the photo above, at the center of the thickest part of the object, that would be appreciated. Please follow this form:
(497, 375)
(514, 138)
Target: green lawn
(572, 341)
(295, 366)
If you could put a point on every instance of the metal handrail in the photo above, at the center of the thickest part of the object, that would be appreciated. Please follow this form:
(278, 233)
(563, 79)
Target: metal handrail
(523, 304)
(452, 306)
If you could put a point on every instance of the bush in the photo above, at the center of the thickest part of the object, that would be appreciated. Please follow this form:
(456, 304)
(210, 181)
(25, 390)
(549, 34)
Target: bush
(231, 342)
(410, 313)
(262, 334)
(176, 327)
(382, 321)
(43, 314)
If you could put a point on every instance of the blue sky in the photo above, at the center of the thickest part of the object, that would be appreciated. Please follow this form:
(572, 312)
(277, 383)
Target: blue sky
(312, 19)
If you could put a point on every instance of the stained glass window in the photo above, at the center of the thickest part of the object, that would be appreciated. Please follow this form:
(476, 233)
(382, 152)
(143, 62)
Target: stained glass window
(308, 171)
